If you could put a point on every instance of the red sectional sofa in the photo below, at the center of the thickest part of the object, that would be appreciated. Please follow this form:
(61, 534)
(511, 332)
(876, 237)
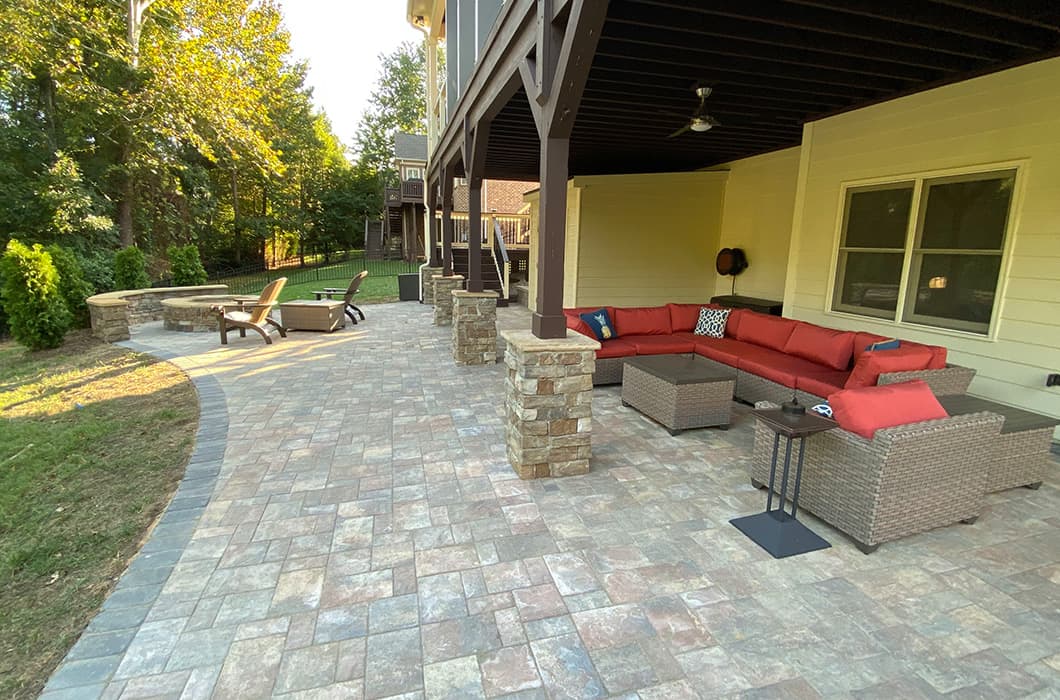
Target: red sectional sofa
(774, 357)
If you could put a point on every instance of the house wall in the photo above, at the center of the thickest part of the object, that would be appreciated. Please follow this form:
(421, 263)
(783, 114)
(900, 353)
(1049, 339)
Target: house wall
(1012, 116)
(757, 214)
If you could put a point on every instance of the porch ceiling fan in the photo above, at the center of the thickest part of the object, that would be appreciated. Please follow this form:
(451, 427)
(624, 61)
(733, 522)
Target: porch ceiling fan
(699, 121)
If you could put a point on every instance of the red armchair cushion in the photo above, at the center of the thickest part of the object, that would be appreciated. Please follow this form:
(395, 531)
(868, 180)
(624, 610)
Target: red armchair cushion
(642, 320)
(823, 383)
(683, 317)
(867, 409)
(869, 367)
(660, 344)
(824, 346)
(762, 329)
(615, 348)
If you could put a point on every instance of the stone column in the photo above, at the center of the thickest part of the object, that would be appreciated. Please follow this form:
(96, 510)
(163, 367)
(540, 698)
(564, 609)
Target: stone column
(474, 327)
(443, 297)
(548, 403)
(427, 275)
(110, 319)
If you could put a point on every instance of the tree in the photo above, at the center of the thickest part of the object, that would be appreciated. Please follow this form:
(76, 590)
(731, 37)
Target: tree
(399, 103)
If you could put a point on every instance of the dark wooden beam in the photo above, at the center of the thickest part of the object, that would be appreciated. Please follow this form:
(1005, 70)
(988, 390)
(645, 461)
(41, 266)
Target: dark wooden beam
(432, 223)
(476, 143)
(447, 220)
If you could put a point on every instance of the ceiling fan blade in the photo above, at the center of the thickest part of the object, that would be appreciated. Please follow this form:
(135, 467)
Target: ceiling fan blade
(680, 131)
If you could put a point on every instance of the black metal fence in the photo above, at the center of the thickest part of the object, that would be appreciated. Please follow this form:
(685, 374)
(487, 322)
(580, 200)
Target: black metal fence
(313, 268)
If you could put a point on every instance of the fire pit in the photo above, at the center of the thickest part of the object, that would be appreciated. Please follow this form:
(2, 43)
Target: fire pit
(196, 314)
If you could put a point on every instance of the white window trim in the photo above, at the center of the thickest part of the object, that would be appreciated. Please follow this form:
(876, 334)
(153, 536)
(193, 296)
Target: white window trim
(1021, 168)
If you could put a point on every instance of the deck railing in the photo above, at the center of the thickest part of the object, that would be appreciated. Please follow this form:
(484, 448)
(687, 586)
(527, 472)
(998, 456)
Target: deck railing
(513, 228)
(410, 191)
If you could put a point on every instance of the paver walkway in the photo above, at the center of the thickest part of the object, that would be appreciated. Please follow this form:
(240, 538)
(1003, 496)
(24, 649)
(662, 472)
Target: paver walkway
(364, 536)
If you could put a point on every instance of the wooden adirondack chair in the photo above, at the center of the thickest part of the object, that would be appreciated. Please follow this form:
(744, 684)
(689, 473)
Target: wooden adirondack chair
(347, 295)
(257, 318)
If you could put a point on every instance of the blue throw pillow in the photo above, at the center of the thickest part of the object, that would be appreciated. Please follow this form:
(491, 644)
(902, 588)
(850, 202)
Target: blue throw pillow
(600, 322)
(891, 344)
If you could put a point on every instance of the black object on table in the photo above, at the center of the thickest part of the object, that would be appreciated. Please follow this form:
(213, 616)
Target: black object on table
(738, 301)
(775, 530)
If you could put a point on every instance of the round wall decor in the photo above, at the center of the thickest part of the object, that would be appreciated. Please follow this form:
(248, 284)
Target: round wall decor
(730, 261)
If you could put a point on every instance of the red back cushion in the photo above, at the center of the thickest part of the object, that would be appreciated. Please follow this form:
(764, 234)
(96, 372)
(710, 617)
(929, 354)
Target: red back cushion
(733, 324)
(642, 320)
(938, 355)
(575, 323)
(867, 409)
(762, 329)
(684, 317)
(863, 340)
(869, 367)
(824, 346)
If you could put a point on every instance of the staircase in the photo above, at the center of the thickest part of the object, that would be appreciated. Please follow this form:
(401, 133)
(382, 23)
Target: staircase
(392, 245)
(490, 279)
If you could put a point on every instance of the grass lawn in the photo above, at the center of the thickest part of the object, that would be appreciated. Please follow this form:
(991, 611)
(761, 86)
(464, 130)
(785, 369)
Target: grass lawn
(373, 289)
(93, 440)
(381, 284)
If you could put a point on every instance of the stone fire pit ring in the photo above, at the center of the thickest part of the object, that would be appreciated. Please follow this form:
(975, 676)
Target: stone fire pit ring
(196, 314)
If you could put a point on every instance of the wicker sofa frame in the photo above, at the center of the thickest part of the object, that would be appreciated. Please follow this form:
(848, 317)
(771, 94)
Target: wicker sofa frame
(906, 480)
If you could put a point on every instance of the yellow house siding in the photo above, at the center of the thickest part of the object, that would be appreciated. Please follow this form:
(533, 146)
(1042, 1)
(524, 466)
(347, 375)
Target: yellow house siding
(758, 208)
(645, 240)
(570, 250)
(1003, 118)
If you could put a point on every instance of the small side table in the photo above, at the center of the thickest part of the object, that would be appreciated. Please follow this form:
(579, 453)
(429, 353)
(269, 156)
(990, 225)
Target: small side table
(775, 530)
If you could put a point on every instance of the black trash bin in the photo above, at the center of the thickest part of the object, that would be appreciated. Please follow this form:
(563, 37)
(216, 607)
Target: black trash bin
(409, 286)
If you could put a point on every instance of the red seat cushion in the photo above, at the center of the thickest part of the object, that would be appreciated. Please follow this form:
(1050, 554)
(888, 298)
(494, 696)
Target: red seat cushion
(824, 346)
(868, 409)
(684, 317)
(724, 350)
(642, 320)
(660, 344)
(869, 367)
(615, 348)
(761, 329)
(824, 383)
(775, 366)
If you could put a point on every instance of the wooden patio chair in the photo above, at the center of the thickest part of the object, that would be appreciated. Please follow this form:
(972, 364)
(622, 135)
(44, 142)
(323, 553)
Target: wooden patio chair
(257, 318)
(347, 295)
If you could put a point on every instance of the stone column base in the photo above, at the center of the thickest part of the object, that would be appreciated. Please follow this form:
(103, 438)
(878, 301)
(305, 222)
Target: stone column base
(443, 297)
(427, 283)
(110, 320)
(474, 327)
(548, 403)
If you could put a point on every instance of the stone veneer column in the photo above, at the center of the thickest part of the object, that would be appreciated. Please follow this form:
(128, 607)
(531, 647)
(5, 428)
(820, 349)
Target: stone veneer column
(443, 297)
(474, 327)
(427, 275)
(548, 403)
(110, 319)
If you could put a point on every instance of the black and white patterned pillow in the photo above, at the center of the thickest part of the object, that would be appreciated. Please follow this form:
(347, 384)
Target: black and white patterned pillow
(712, 322)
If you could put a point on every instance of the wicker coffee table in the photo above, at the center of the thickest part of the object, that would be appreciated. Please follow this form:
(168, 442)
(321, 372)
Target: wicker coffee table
(679, 391)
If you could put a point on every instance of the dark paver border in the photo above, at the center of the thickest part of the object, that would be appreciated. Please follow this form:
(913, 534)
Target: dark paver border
(95, 656)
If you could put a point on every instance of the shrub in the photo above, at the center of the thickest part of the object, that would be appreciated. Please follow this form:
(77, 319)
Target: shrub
(185, 266)
(97, 267)
(130, 271)
(35, 309)
(73, 287)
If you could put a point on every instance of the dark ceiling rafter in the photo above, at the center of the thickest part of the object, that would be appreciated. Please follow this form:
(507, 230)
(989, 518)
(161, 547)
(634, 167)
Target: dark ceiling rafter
(773, 65)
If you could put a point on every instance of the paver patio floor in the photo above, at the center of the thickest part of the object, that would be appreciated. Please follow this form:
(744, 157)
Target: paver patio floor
(364, 536)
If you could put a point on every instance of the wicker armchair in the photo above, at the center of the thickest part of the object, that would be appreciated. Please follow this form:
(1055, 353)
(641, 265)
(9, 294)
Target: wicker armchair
(906, 480)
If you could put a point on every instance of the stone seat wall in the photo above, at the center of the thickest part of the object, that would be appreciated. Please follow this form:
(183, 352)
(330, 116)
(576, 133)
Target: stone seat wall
(113, 313)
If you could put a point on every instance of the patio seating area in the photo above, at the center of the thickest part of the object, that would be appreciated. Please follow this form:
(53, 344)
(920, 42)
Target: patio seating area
(350, 526)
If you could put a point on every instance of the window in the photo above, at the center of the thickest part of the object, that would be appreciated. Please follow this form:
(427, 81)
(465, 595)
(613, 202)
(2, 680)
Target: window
(925, 251)
(413, 173)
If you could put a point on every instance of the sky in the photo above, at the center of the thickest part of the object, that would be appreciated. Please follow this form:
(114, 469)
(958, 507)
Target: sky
(342, 40)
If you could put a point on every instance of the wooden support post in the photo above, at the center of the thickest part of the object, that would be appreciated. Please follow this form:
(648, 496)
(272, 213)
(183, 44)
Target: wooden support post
(447, 221)
(476, 140)
(433, 257)
(554, 79)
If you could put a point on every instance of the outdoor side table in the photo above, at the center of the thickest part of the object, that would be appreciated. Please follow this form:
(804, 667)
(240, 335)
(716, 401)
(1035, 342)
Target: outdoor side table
(308, 315)
(775, 530)
(679, 391)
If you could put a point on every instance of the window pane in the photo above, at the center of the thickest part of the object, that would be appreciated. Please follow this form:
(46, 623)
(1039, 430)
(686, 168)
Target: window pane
(968, 215)
(870, 283)
(957, 291)
(878, 218)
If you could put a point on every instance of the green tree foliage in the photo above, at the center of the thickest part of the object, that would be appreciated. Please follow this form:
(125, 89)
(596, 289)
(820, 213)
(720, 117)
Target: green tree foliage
(185, 266)
(130, 271)
(399, 103)
(35, 309)
(73, 287)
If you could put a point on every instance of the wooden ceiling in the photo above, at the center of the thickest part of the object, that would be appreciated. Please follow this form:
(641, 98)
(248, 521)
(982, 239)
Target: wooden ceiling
(772, 65)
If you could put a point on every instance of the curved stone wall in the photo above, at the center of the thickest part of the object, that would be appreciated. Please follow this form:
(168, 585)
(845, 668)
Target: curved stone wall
(195, 314)
(113, 313)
